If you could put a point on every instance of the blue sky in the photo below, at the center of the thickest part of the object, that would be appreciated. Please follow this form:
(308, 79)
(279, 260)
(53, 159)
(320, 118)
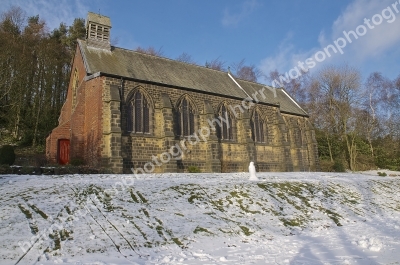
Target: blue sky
(269, 34)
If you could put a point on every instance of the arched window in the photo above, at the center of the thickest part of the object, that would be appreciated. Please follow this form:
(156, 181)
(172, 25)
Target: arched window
(298, 137)
(75, 83)
(138, 114)
(298, 134)
(286, 131)
(225, 130)
(257, 128)
(184, 119)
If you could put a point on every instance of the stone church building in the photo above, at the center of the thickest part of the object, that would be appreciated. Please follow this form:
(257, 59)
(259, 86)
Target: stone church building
(125, 109)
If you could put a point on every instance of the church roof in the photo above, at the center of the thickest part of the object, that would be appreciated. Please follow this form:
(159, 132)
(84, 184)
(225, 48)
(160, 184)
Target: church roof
(144, 67)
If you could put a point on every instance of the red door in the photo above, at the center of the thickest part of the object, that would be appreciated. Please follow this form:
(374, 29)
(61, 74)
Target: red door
(63, 151)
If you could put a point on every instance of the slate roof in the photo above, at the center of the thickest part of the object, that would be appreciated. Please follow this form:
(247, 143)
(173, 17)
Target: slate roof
(145, 67)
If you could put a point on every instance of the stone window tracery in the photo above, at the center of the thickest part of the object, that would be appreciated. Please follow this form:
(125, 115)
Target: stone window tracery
(257, 128)
(184, 118)
(225, 130)
(138, 114)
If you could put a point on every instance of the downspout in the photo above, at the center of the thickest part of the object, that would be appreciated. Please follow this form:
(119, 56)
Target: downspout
(122, 101)
(121, 90)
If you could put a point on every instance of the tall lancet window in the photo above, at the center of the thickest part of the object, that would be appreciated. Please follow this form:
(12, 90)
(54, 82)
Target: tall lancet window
(257, 128)
(75, 84)
(225, 130)
(138, 114)
(185, 119)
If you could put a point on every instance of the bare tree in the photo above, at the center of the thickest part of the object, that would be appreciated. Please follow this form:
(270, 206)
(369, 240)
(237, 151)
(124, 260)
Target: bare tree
(246, 72)
(397, 83)
(150, 50)
(297, 88)
(185, 58)
(392, 109)
(377, 89)
(216, 64)
(337, 96)
(15, 16)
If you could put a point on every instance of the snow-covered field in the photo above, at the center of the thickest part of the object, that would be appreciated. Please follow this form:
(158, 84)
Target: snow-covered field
(284, 218)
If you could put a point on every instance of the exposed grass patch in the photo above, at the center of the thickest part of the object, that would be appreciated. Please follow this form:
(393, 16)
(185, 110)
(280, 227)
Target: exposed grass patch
(145, 212)
(133, 196)
(194, 197)
(25, 211)
(38, 211)
(177, 241)
(56, 239)
(334, 216)
(295, 222)
(142, 198)
(200, 229)
(246, 230)
(65, 234)
(298, 195)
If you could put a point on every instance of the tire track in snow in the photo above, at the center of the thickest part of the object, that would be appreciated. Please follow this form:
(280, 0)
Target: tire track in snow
(31, 221)
(39, 237)
(164, 233)
(113, 226)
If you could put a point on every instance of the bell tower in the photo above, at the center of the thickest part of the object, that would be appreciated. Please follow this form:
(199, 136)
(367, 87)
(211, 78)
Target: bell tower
(98, 31)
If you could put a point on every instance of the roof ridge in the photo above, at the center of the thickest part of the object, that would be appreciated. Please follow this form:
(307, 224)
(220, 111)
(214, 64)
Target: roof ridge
(166, 58)
(193, 64)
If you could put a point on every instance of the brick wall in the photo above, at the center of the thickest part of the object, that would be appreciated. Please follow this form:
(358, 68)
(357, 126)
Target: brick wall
(81, 124)
(66, 123)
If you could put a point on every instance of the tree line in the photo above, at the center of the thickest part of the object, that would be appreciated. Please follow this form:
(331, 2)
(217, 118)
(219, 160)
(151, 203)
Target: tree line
(357, 121)
(35, 67)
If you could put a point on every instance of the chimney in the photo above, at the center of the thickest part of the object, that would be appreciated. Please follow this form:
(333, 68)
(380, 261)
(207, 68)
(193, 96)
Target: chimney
(98, 31)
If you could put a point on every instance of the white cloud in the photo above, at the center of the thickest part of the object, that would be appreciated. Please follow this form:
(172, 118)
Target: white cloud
(53, 12)
(376, 42)
(286, 58)
(247, 8)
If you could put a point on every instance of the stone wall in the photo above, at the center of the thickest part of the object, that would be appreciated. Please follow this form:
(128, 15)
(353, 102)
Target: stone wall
(288, 147)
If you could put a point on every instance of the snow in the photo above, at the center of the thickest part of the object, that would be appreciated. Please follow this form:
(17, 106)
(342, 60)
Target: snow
(252, 171)
(203, 218)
